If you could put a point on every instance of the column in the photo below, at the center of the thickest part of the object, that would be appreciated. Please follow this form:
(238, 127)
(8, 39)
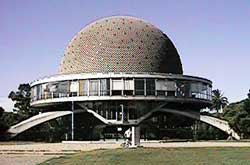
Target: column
(135, 141)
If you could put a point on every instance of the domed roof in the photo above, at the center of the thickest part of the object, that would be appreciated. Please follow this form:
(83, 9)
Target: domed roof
(121, 44)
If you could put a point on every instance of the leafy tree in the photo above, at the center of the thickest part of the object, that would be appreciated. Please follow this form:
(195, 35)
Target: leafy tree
(1, 111)
(247, 104)
(238, 115)
(218, 100)
(22, 100)
(3, 125)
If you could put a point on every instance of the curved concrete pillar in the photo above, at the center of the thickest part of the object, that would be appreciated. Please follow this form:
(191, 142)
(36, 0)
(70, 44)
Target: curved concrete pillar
(221, 124)
(35, 120)
(218, 123)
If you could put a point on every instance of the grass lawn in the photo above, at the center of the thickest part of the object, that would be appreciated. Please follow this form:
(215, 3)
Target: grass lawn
(153, 156)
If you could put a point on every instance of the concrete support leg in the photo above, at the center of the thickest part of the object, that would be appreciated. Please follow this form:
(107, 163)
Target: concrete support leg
(135, 141)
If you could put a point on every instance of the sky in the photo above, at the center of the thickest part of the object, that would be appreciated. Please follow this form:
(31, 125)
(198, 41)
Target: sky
(212, 37)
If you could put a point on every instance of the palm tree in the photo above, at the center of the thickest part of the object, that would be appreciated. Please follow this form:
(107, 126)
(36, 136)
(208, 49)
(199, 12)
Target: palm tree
(218, 100)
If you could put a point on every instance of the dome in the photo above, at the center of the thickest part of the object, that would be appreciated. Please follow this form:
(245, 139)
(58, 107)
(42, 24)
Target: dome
(121, 44)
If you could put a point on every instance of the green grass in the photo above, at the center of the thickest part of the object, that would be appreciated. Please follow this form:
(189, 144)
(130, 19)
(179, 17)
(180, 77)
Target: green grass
(150, 156)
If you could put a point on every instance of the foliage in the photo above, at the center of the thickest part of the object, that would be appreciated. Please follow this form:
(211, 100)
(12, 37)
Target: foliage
(208, 132)
(7, 119)
(11, 118)
(21, 109)
(247, 104)
(238, 115)
(218, 100)
(3, 125)
(22, 100)
(51, 131)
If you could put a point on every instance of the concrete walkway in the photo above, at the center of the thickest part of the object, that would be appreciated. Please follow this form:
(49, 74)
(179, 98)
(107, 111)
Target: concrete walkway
(196, 144)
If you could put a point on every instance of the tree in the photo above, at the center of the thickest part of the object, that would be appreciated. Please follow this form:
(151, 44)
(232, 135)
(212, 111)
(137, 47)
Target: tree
(248, 94)
(1, 111)
(238, 115)
(22, 100)
(218, 100)
(247, 104)
(3, 125)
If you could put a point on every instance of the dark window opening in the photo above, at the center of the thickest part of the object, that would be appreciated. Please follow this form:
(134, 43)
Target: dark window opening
(150, 86)
(139, 86)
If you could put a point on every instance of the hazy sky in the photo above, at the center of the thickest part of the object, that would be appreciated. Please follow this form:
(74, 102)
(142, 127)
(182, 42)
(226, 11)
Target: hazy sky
(212, 37)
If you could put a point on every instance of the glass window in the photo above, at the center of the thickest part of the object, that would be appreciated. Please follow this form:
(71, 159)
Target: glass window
(62, 88)
(117, 87)
(74, 88)
(45, 91)
(33, 94)
(83, 87)
(139, 86)
(93, 87)
(204, 91)
(209, 92)
(132, 112)
(161, 87)
(200, 90)
(39, 92)
(183, 89)
(113, 112)
(50, 90)
(105, 87)
(171, 88)
(117, 84)
(195, 90)
(187, 89)
(128, 86)
(150, 86)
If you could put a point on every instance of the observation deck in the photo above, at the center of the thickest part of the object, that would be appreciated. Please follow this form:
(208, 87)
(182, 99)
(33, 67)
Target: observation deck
(86, 87)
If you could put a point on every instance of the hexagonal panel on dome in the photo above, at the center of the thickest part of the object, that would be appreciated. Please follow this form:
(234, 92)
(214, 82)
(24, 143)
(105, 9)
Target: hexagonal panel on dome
(121, 44)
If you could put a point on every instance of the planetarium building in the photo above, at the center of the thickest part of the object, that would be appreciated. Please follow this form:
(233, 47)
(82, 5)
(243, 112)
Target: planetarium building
(121, 70)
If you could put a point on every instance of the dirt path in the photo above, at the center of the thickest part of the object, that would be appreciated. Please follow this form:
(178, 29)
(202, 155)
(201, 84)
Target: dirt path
(23, 159)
